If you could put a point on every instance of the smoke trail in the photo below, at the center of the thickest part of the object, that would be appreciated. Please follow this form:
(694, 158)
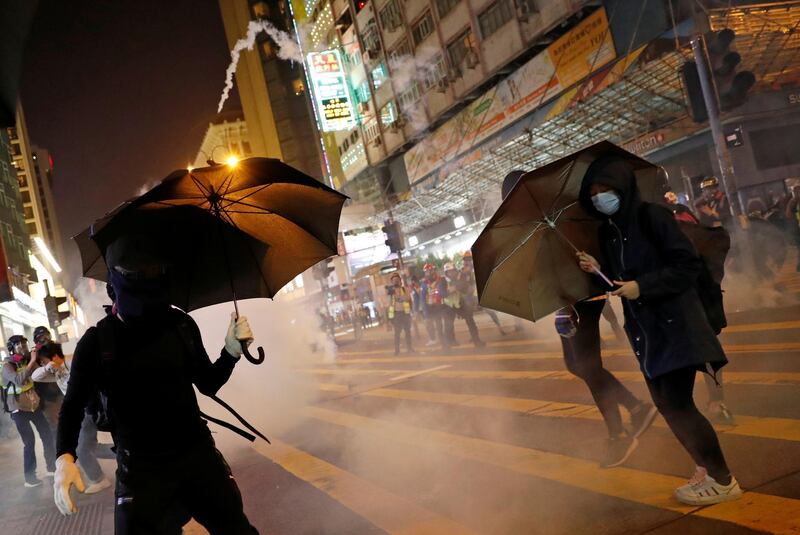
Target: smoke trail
(288, 49)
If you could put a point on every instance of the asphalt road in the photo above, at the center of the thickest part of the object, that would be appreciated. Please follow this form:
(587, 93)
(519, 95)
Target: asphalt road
(498, 440)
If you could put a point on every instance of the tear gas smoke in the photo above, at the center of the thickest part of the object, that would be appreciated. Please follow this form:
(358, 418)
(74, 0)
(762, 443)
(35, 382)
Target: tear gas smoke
(408, 69)
(288, 49)
(269, 395)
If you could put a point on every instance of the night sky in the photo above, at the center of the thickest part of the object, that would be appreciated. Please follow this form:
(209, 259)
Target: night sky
(121, 94)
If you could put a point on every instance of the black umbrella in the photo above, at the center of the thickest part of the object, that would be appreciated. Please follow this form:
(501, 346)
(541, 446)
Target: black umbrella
(229, 231)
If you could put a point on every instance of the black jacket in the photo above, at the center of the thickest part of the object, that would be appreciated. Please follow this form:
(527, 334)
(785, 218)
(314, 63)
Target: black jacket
(667, 324)
(149, 384)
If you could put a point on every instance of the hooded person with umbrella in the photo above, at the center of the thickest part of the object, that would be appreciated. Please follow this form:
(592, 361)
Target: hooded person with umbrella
(145, 359)
(656, 269)
(579, 329)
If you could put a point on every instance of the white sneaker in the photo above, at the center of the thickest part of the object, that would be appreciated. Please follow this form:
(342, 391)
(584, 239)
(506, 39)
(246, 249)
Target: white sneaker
(708, 492)
(699, 476)
(98, 486)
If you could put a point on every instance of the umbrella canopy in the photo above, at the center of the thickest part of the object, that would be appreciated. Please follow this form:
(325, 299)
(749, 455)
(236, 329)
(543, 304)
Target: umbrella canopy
(524, 259)
(251, 227)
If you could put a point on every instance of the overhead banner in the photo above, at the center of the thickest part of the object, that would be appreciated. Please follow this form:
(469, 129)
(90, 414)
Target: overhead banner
(572, 57)
(330, 91)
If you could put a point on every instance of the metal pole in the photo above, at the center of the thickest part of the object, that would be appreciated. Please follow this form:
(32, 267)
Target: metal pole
(721, 148)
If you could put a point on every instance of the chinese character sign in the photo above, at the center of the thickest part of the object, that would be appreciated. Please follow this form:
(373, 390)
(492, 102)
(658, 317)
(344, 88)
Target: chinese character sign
(330, 91)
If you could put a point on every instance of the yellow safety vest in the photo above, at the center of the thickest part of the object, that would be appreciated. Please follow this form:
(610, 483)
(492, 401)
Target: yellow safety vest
(393, 303)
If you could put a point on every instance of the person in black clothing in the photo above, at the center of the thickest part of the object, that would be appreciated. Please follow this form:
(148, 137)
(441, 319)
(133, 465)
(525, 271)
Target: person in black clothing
(656, 268)
(145, 358)
(579, 329)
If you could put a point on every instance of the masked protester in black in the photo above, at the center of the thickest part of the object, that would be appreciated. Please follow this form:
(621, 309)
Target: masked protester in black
(168, 468)
(656, 268)
(579, 329)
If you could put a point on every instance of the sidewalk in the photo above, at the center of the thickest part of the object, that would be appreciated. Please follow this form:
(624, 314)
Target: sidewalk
(32, 511)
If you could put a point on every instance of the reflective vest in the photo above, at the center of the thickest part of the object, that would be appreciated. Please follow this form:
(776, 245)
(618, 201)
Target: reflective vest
(434, 294)
(396, 301)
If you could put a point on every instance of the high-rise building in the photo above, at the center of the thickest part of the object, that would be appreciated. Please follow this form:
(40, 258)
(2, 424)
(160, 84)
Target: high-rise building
(279, 117)
(47, 226)
(20, 312)
(226, 136)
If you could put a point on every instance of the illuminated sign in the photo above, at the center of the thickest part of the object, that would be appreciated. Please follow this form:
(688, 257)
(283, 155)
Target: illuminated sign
(330, 90)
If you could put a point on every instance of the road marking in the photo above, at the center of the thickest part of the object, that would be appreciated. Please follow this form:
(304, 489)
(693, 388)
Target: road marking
(386, 510)
(757, 511)
(744, 349)
(743, 328)
(751, 426)
(744, 378)
(420, 372)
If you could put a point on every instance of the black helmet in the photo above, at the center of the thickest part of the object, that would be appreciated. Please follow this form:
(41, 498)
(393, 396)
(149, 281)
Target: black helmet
(14, 340)
(39, 334)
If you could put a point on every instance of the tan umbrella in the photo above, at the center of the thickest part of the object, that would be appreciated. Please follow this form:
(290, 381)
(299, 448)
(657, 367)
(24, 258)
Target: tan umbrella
(525, 262)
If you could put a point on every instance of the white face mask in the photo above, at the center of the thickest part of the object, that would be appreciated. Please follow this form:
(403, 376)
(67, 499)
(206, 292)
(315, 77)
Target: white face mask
(606, 202)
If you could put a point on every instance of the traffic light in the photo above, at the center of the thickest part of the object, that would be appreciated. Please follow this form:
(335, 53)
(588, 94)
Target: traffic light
(393, 238)
(732, 87)
(51, 304)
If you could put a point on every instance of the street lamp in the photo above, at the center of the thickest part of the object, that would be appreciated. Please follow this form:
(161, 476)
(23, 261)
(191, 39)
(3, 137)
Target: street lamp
(232, 160)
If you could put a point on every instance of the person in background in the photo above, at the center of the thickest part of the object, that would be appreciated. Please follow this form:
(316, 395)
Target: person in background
(49, 394)
(656, 268)
(578, 327)
(471, 296)
(716, 409)
(793, 220)
(712, 207)
(434, 290)
(457, 305)
(54, 369)
(681, 212)
(21, 400)
(399, 312)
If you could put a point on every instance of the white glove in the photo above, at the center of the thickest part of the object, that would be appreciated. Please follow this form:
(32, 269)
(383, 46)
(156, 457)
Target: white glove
(67, 474)
(238, 332)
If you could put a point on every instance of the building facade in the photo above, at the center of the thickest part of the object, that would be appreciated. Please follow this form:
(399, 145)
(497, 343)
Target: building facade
(225, 137)
(279, 116)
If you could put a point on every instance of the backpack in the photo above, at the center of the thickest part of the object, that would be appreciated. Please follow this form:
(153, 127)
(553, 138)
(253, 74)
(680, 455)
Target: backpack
(712, 245)
(98, 408)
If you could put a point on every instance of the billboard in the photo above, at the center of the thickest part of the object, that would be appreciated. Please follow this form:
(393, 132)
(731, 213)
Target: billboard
(572, 57)
(330, 91)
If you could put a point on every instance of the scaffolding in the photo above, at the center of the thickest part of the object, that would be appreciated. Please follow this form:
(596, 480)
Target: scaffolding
(648, 96)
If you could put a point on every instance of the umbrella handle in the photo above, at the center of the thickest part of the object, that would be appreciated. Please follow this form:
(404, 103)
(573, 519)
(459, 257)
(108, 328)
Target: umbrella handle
(250, 357)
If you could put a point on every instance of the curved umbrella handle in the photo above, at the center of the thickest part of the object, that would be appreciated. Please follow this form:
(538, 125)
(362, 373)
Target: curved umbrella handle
(250, 357)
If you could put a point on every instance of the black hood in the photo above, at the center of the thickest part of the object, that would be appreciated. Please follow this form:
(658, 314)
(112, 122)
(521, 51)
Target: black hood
(617, 173)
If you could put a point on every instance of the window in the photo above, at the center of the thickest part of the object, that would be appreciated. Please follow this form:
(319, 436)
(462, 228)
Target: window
(391, 17)
(399, 52)
(409, 97)
(443, 7)
(355, 58)
(362, 93)
(371, 130)
(379, 75)
(457, 50)
(371, 39)
(436, 72)
(29, 212)
(388, 114)
(495, 17)
(423, 28)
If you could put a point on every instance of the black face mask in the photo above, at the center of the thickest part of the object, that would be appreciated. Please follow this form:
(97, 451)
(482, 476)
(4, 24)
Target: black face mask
(138, 298)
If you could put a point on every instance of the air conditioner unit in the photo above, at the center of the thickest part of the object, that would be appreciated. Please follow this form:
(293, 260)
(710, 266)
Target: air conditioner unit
(472, 60)
(399, 124)
(363, 108)
(454, 74)
(441, 85)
